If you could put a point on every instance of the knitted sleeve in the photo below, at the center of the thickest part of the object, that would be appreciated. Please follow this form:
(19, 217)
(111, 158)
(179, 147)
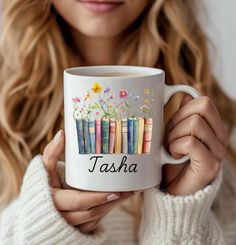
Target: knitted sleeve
(181, 220)
(32, 218)
(224, 206)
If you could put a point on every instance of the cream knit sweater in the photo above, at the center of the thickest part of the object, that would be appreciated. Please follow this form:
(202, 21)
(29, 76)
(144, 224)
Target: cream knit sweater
(194, 219)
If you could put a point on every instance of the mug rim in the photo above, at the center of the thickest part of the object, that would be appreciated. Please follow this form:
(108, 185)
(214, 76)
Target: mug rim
(144, 71)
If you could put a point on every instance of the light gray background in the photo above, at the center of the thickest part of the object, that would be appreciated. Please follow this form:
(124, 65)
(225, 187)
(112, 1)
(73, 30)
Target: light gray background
(220, 25)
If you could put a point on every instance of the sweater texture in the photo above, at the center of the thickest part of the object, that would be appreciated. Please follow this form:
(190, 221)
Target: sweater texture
(206, 217)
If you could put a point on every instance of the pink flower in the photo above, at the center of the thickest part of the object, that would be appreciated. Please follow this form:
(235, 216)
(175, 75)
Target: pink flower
(112, 96)
(143, 107)
(123, 93)
(76, 100)
(122, 104)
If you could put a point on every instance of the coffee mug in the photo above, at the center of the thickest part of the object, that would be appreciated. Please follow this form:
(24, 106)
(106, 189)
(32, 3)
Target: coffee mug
(113, 119)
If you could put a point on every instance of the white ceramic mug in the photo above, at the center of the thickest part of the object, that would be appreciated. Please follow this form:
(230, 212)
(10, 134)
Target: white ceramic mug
(113, 126)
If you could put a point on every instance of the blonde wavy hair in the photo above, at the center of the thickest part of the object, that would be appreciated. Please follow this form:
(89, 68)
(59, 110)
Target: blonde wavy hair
(34, 53)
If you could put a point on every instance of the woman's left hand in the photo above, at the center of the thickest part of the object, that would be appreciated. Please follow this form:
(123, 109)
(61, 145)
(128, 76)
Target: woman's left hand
(197, 130)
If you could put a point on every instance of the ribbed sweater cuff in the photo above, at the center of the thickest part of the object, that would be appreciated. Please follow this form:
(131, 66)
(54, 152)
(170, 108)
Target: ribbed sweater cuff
(180, 216)
(40, 222)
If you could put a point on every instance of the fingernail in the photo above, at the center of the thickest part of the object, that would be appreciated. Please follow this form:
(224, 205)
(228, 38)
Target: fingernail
(112, 197)
(57, 137)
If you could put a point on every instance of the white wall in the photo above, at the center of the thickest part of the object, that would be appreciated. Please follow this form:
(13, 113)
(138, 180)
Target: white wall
(221, 27)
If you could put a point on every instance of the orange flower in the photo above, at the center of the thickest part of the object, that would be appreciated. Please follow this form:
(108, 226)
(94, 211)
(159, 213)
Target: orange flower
(96, 88)
(87, 95)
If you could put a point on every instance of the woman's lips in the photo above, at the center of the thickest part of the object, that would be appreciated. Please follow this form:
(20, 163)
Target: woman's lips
(101, 6)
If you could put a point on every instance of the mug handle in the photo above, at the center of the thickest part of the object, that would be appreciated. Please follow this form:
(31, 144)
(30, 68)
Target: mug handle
(169, 91)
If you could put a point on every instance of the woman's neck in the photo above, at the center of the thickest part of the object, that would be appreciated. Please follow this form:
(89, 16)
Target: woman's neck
(96, 51)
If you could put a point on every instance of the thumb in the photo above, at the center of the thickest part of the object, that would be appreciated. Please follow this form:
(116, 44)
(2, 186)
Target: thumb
(53, 150)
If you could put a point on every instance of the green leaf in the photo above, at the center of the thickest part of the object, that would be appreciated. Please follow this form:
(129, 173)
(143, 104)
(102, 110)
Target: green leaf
(127, 103)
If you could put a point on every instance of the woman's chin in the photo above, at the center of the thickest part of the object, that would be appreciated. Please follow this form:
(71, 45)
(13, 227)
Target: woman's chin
(96, 31)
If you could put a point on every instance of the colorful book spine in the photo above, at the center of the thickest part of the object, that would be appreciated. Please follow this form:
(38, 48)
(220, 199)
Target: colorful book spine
(118, 137)
(92, 139)
(124, 136)
(112, 136)
(147, 139)
(130, 135)
(80, 136)
(98, 136)
(105, 136)
(140, 134)
(135, 136)
(86, 136)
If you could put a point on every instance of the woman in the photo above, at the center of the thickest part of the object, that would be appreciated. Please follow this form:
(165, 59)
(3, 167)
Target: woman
(42, 38)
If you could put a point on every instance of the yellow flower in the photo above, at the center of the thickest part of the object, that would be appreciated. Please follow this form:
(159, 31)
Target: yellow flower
(146, 91)
(96, 88)
(146, 101)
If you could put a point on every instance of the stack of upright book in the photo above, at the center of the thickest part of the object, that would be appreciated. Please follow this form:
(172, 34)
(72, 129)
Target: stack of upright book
(114, 136)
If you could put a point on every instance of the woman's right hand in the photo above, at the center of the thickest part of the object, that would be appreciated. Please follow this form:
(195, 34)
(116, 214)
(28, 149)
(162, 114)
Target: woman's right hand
(81, 209)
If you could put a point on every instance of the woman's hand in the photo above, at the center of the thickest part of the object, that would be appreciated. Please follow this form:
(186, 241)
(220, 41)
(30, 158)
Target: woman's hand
(82, 209)
(197, 130)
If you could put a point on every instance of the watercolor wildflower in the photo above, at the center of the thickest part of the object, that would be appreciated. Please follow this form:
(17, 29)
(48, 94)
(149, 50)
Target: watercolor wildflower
(123, 93)
(146, 101)
(101, 101)
(76, 100)
(110, 105)
(122, 104)
(146, 91)
(88, 95)
(107, 90)
(96, 88)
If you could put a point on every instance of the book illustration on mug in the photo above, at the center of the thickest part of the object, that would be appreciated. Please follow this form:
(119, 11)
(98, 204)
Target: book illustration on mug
(113, 124)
